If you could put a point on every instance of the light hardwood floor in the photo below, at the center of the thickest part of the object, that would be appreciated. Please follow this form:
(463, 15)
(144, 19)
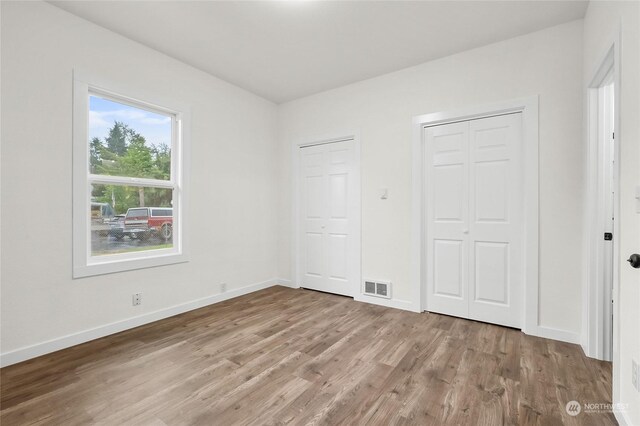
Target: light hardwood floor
(285, 356)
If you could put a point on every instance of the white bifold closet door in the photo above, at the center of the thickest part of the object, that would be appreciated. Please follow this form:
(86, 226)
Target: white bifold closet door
(327, 197)
(474, 222)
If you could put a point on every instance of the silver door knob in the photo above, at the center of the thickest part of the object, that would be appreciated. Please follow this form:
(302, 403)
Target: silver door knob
(465, 231)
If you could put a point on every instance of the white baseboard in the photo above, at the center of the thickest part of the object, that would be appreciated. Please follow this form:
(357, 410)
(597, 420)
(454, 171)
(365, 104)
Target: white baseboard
(585, 347)
(623, 418)
(539, 331)
(555, 334)
(28, 352)
(285, 282)
(389, 303)
(67, 341)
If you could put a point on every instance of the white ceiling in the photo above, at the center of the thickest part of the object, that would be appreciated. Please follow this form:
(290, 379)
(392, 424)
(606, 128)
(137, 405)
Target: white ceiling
(283, 50)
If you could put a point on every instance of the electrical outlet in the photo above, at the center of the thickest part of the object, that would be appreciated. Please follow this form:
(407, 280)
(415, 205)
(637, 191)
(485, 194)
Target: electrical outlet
(137, 299)
(223, 287)
(635, 374)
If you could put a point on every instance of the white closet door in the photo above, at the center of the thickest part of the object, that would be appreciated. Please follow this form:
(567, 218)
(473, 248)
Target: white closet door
(495, 231)
(474, 219)
(327, 205)
(447, 175)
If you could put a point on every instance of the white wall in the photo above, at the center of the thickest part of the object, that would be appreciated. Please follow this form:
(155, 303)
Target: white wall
(602, 21)
(233, 180)
(546, 63)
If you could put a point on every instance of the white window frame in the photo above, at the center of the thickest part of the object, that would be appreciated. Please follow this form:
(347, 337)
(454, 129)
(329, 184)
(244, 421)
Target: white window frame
(84, 264)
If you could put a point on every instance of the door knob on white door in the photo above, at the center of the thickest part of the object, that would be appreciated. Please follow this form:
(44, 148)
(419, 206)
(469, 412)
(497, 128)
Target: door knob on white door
(465, 231)
(634, 260)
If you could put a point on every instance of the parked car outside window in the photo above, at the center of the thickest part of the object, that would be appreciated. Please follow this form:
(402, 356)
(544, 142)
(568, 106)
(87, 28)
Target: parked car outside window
(145, 222)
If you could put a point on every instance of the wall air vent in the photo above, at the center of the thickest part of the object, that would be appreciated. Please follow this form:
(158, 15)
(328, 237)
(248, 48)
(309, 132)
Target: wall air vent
(377, 288)
(369, 287)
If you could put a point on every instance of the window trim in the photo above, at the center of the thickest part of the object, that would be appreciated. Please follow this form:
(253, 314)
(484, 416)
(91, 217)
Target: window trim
(84, 264)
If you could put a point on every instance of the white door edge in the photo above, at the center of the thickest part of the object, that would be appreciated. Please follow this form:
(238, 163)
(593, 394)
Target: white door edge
(596, 330)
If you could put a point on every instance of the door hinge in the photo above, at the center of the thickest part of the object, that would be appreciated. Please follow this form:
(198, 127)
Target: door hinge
(608, 236)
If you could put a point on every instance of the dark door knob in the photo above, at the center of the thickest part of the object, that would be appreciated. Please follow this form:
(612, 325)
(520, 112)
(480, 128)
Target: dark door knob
(634, 260)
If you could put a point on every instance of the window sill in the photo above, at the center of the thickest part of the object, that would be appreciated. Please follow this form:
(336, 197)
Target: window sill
(113, 266)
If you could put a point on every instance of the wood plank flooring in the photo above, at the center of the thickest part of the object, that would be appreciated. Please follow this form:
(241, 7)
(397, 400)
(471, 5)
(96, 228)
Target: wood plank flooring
(286, 356)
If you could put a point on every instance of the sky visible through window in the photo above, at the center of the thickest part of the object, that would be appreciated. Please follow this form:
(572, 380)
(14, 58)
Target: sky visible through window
(103, 113)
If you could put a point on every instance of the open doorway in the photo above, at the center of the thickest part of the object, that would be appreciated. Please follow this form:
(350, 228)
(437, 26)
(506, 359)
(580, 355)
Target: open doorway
(602, 208)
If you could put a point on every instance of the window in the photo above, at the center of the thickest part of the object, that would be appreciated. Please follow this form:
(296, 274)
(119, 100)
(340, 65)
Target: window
(161, 212)
(129, 191)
